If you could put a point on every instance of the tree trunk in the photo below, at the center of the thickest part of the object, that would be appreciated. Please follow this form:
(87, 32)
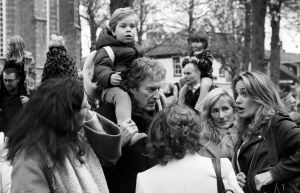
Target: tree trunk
(190, 25)
(115, 4)
(275, 41)
(258, 35)
(93, 26)
(247, 36)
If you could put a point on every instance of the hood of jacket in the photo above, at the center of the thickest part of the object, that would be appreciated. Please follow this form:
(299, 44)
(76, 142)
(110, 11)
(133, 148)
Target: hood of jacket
(106, 38)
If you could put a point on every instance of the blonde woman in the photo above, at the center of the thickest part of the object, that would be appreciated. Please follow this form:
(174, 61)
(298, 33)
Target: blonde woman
(219, 133)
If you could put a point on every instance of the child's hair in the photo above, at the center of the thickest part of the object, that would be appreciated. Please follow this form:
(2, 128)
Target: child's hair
(16, 48)
(198, 38)
(120, 14)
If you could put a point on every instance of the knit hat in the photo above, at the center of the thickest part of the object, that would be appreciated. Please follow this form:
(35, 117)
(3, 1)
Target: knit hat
(59, 63)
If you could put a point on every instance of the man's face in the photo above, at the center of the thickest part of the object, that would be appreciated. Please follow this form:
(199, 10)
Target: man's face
(147, 95)
(10, 81)
(191, 74)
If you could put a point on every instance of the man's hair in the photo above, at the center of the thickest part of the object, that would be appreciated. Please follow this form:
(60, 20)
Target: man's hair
(141, 69)
(174, 132)
(120, 14)
(11, 67)
(50, 119)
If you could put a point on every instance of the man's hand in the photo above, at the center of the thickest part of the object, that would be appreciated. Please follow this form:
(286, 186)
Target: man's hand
(241, 178)
(115, 79)
(24, 99)
(263, 179)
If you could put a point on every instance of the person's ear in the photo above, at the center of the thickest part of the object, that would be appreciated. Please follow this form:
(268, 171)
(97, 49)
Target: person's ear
(132, 90)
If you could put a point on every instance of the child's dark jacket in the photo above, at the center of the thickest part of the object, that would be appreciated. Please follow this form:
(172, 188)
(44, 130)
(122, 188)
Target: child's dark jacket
(124, 56)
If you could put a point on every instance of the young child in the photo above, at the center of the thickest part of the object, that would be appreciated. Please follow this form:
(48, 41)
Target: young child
(120, 37)
(200, 51)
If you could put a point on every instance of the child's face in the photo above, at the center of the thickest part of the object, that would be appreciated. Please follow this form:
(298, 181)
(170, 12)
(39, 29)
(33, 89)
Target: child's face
(197, 46)
(126, 30)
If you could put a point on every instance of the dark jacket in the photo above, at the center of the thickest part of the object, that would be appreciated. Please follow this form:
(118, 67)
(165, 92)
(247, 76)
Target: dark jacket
(124, 55)
(134, 159)
(253, 157)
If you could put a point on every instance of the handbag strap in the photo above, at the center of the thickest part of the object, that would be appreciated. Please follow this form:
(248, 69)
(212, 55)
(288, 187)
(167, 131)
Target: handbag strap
(217, 166)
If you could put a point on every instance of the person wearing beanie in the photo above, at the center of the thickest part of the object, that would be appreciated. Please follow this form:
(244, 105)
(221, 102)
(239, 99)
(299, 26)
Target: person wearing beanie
(58, 63)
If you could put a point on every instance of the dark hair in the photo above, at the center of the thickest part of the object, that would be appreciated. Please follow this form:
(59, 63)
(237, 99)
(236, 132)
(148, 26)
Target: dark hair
(59, 64)
(173, 132)
(49, 119)
(141, 69)
(11, 67)
(198, 38)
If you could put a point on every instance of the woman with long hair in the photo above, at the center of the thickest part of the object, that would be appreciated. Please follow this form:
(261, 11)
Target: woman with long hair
(219, 124)
(268, 157)
(16, 51)
(173, 140)
(58, 145)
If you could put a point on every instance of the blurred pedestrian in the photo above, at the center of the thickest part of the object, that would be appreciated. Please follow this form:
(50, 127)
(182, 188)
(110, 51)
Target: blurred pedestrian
(12, 96)
(16, 51)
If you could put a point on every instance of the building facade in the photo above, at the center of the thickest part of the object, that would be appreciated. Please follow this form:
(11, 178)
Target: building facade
(36, 20)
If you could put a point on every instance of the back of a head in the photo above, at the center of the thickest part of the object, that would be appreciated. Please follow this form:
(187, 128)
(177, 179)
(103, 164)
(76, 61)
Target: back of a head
(16, 48)
(59, 63)
(50, 114)
(173, 132)
(141, 69)
(120, 14)
(261, 89)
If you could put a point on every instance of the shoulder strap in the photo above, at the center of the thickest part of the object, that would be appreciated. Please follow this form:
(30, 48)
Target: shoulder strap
(217, 166)
(110, 53)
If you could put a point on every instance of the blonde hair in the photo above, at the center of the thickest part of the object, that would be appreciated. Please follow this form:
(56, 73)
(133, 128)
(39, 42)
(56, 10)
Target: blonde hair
(209, 130)
(263, 92)
(16, 49)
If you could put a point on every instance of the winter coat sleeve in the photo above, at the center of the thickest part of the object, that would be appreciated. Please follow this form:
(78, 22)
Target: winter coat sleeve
(287, 137)
(28, 175)
(106, 142)
(104, 68)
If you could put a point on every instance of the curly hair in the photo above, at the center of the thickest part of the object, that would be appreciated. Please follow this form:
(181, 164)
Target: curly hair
(173, 133)
(50, 119)
(59, 63)
(141, 69)
(263, 92)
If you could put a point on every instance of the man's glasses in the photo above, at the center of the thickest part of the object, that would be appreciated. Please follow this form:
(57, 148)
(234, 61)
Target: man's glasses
(9, 80)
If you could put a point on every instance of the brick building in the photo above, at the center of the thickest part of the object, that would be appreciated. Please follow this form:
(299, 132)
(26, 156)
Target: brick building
(36, 20)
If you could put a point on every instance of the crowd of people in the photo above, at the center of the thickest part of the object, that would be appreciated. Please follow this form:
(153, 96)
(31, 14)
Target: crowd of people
(111, 128)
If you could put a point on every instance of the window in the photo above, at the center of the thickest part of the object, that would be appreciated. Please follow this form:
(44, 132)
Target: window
(177, 66)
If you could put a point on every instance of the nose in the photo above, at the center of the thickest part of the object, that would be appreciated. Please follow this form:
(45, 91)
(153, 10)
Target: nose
(238, 100)
(156, 94)
(221, 115)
